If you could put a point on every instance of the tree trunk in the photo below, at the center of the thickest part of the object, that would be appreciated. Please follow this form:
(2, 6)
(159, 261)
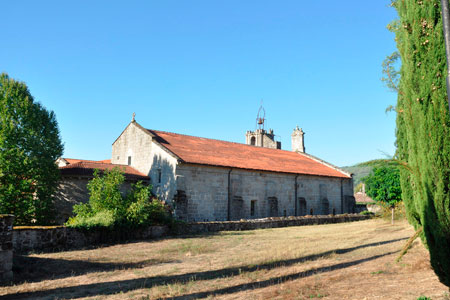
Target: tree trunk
(392, 215)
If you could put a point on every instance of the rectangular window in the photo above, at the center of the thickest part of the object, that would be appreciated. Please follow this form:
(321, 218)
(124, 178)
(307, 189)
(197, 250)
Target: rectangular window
(129, 160)
(252, 208)
(159, 175)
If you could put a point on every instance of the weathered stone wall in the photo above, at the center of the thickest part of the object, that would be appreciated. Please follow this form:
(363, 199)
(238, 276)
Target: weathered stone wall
(27, 239)
(71, 191)
(55, 238)
(206, 194)
(137, 143)
(6, 247)
(147, 157)
(203, 227)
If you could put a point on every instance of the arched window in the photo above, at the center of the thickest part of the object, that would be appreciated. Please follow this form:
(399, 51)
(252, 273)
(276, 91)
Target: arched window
(253, 141)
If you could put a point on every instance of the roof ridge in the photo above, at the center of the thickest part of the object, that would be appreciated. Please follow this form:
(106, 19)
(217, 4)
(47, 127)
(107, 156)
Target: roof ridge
(325, 163)
(207, 151)
(200, 137)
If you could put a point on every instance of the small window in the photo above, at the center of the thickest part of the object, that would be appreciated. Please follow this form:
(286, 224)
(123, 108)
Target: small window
(252, 208)
(129, 160)
(302, 206)
(253, 141)
(159, 175)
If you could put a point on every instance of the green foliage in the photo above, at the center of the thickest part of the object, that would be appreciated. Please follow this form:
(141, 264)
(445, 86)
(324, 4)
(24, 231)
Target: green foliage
(423, 122)
(366, 213)
(108, 207)
(391, 75)
(29, 146)
(383, 185)
(103, 218)
(105, 192)
(363, 169)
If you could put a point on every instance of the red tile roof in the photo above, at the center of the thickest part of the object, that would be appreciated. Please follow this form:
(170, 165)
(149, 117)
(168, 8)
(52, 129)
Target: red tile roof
(363, 198)
(108, 161)
(197, 150)
(87, 167)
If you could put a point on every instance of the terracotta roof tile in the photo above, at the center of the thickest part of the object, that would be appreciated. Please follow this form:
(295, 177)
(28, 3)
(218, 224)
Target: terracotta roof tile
(363, 198)
(87, 167)
(205, 151)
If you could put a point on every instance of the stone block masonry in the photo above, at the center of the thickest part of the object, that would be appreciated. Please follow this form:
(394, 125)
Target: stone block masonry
(6, 248)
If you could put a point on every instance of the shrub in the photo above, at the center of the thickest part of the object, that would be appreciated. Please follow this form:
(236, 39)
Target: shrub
(366, 213)
(104, 218)
(108, 207)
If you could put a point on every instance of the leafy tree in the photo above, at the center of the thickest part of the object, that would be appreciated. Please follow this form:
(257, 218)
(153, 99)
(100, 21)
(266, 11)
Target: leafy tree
(383, 186)
(423, 126)
(29, 145)
(109, 207)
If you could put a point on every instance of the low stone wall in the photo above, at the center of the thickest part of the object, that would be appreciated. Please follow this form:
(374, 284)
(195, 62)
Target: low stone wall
(6, 247)
(27, 239)
(202, 227)
(56, 238)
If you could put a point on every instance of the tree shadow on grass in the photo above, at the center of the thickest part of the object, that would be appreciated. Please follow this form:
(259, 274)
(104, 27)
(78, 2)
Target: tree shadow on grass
(34, 269)
(276, 280)
(109, 288)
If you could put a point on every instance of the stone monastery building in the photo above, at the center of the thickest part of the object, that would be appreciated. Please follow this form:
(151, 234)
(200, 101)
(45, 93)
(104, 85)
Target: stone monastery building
(208, 180)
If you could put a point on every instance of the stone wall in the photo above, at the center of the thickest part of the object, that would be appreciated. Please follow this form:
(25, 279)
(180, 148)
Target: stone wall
(256, 194)
(56, 238)
(204, 227)
(147, 157)
(6, 247)
(73, 190)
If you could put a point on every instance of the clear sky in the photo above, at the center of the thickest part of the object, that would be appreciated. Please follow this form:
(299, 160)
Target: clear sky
(202, 67)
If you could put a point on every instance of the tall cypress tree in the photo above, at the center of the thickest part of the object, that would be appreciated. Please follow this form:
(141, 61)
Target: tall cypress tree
(423, 134)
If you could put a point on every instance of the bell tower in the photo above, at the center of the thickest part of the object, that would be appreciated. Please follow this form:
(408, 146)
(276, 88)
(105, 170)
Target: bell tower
(260, 137)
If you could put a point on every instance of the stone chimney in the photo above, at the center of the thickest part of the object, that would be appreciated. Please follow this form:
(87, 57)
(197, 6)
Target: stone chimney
(298, 142)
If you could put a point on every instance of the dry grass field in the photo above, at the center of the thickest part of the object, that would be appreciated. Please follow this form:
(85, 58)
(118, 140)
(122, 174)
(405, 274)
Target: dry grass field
(337, 261)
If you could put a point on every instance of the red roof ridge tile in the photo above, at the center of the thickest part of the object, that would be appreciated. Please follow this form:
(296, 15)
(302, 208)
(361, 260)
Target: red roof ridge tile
(224, 141)
(85, 164)
(214, 152)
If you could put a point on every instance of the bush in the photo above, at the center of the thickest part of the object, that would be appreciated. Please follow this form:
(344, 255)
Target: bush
(103, 218)
(108, 207)
(366, 213)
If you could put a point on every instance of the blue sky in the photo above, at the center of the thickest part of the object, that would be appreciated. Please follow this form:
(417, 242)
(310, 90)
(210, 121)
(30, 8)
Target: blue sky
(202, 67)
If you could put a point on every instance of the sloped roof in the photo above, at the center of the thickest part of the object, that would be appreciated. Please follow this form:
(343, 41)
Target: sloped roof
(86, 168)
(197, 150)
(361, 197)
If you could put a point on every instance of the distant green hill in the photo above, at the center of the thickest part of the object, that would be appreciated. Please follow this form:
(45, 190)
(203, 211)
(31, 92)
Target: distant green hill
(365, 168)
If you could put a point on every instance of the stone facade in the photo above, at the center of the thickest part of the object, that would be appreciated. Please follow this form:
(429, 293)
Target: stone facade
(202, 192)
(6, 247)
(71, 191)
(262, 138)
(213, 193)
(147, 156)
